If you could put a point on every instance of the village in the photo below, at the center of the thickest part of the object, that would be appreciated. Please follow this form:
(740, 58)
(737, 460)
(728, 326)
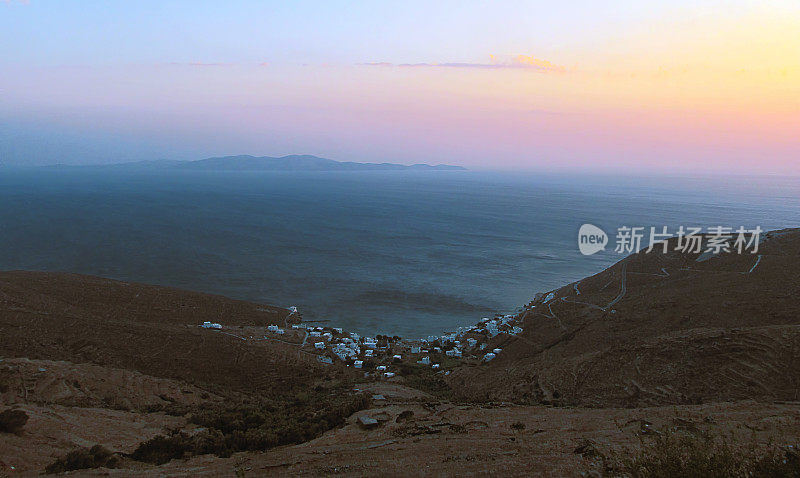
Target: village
(384, 357)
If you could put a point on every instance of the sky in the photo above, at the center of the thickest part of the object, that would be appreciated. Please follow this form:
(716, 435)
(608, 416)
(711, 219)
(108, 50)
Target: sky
(679, 87)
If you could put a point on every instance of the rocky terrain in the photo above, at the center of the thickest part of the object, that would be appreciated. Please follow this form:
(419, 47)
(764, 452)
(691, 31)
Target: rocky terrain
(656, 344)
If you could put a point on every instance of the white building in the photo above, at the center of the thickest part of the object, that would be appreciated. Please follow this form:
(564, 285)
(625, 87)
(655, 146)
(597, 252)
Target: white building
(435, 366)
(388, 374)
(415, 349)
(381, 368)
(345, 351)
(358, 363)
(488, 356)
(497, 351)
(424, 360)
(319, 345)
(211, 325)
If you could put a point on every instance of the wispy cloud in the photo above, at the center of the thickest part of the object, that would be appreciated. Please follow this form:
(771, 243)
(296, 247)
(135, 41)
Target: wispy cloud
(527, 62)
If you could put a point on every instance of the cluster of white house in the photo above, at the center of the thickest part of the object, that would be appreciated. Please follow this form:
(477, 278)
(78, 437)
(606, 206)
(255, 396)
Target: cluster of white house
(351, 346)
(343, 345)
(457, 342)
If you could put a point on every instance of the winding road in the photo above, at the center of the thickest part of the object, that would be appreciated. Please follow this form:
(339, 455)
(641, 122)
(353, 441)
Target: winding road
(623, 288)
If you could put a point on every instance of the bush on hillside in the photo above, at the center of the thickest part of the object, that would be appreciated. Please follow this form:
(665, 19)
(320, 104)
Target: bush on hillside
(12, 421)
(83, 459)
(668, 454)
(423, 378)
(230, 428)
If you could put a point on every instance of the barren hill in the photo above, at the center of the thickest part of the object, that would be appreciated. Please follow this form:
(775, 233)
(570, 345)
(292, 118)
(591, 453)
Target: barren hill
(149, 329)
(658, 329)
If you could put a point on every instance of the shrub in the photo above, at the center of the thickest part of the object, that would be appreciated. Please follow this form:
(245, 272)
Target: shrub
(701, 454)
(177, 444)
(783, 462)
(425, 379)
(82, 459)
(12, 421)
(229, 428)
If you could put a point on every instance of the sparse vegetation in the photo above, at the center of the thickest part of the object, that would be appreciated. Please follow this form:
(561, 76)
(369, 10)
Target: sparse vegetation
(282, 420)
(12, 421)
(423, 378)
(84, 458)
(669, 454)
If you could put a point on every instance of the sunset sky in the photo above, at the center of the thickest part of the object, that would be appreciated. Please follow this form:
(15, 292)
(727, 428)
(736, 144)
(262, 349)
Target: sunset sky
(680, 86)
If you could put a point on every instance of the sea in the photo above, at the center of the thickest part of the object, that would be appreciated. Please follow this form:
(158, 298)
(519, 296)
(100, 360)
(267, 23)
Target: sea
(398, 253)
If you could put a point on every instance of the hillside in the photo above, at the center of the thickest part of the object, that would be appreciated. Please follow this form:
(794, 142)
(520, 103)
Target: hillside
(679, 331)
(149, 329)
(655, 342)
(96, 361)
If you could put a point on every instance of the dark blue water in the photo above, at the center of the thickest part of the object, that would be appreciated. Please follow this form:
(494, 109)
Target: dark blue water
(375, 252)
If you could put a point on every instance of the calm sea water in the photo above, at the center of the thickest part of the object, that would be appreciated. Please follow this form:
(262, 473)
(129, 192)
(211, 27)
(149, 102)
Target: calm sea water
(375, 252)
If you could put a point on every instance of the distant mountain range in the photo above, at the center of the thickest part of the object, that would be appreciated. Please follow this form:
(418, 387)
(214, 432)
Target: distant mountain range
(284, 163)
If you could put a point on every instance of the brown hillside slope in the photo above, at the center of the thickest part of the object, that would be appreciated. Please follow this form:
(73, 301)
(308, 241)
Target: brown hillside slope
(150, 329)
(682, 331)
